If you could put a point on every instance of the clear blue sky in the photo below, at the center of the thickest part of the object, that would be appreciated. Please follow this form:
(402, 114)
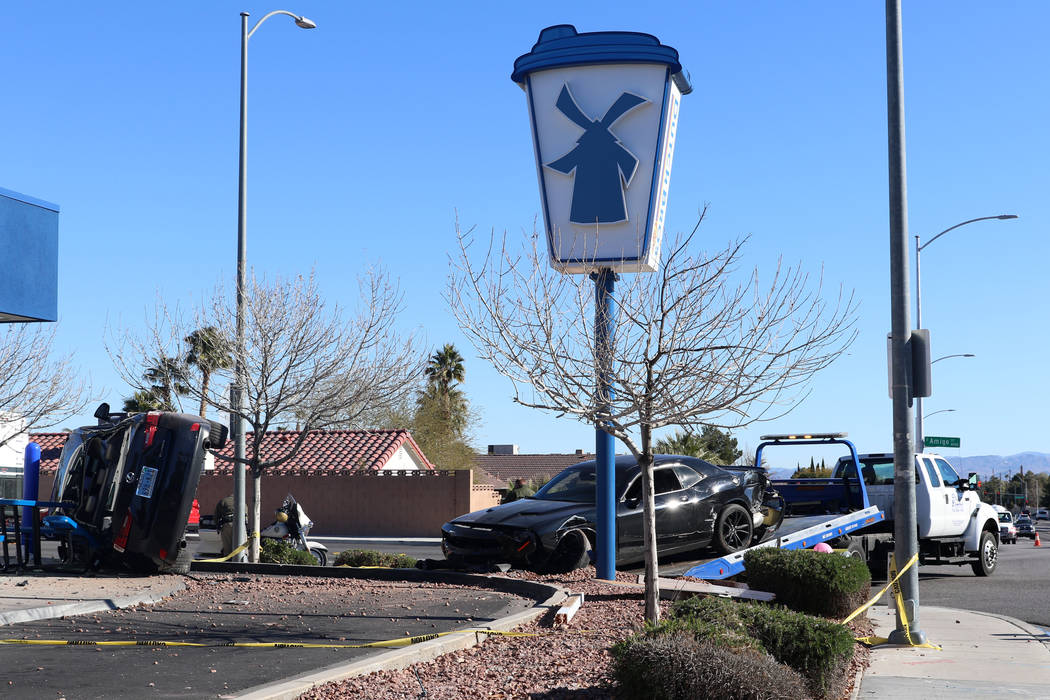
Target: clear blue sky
(369, 133)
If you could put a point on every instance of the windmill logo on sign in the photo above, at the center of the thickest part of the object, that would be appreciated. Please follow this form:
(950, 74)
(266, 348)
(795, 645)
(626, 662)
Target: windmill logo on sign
(601, 167)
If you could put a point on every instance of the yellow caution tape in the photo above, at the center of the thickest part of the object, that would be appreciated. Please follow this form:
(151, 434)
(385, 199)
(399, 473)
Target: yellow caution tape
(895, 585)
(252, 536)
(388, 643)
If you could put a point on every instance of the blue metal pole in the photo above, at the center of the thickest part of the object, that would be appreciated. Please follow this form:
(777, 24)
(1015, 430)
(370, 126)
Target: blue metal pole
(604, 332)
(30, 486)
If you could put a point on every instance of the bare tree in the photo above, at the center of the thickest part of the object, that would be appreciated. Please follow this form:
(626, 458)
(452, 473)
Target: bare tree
(304, 364)
(36, 391)
(696, 343)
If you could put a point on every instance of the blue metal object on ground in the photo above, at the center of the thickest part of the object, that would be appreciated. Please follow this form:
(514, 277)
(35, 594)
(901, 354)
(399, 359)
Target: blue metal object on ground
(30, 486)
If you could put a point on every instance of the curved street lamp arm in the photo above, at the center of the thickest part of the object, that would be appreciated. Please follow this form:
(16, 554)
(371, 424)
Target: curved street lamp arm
(980, 218)
(298, 19)
(964, 354)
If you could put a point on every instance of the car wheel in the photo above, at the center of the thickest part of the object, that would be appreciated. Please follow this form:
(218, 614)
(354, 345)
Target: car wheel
(734, 528)
(572, 552)
(988, 555)
(320, 555)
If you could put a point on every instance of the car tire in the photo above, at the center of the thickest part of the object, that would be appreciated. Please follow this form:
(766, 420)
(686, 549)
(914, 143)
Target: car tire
(734, 528)
(572, 552)
(987, 555)
(320, 555)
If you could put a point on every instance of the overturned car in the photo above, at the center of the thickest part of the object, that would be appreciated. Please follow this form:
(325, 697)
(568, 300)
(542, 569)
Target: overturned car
(129, 484)
(697, 504)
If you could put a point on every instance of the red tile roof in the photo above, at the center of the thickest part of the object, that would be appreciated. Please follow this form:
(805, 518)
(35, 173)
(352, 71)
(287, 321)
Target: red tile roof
(322, 451)
(507, 468)
(50, 449)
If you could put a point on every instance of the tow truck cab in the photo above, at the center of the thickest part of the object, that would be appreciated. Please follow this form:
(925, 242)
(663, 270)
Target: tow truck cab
(954, 525)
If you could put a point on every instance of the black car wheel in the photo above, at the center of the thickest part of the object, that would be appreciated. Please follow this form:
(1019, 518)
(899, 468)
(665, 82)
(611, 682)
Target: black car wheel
(572, 552)
(734, 529)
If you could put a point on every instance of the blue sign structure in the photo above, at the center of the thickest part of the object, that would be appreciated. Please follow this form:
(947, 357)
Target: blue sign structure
(605, 189)
(605, 197)
(28, 259)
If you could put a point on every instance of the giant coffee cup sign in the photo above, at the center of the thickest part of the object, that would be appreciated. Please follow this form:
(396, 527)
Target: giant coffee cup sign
(604, 112)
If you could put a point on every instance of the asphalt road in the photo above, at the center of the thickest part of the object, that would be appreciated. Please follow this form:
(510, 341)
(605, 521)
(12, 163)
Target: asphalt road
(1019, 587)
(224, 609)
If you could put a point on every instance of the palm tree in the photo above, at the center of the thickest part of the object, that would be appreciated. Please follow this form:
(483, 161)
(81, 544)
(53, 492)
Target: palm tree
(208, 351)
(168, 379)
(445, 367)
(682, 443)
(143, 402)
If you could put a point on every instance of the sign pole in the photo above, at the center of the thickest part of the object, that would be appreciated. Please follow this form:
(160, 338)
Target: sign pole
(604, 452)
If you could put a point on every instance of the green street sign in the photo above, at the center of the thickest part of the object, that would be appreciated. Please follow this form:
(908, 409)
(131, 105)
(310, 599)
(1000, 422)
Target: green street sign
(932, 441)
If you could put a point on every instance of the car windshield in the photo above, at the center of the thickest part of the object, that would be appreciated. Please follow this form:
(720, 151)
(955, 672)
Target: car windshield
(1005, 518)
(577, 484)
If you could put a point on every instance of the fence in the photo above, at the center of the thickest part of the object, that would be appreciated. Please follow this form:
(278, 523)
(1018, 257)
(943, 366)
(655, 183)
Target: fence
(373, 504)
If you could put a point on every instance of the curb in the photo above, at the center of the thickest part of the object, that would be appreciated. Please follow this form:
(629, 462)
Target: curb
(92, 605)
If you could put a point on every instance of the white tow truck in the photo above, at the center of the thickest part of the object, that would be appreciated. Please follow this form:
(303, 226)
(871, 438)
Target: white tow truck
(856, 514)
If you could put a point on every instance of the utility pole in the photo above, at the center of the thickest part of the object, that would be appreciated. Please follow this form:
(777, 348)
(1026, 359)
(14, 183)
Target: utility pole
(905, 533)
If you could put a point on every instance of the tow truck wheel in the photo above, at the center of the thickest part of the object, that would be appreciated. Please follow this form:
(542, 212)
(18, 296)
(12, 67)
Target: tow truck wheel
(988, 555)
(734, 529)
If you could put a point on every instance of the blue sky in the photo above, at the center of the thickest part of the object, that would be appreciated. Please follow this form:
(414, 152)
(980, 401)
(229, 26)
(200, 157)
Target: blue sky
(368, 134)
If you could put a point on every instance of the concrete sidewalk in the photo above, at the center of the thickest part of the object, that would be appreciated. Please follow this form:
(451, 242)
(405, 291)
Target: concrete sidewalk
(982, 655)
(38, 596)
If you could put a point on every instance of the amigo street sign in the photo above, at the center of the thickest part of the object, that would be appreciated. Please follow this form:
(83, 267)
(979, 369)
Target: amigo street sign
(933, 441)
(604, 113)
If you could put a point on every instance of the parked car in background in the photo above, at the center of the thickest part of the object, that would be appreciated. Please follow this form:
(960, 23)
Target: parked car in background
(1042, 514)
(697, 504)
(1025, 527)
(1007, 529)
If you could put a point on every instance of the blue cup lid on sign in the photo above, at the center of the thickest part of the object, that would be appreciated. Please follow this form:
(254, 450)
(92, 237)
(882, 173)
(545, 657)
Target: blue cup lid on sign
(561, 45)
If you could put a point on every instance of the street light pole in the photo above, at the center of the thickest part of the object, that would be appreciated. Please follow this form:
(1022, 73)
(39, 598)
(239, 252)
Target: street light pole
(919, 438)
(240, 381)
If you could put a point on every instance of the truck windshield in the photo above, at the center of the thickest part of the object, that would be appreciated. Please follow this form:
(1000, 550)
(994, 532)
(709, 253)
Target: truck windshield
(877, 471)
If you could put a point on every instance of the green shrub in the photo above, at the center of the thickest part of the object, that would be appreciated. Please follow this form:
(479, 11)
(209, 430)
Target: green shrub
(278, 552)
(818, 649)
(676, 666)
(368, 557)
(829, 585)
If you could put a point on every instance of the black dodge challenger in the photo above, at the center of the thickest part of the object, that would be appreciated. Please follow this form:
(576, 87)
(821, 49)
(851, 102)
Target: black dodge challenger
(697, 504)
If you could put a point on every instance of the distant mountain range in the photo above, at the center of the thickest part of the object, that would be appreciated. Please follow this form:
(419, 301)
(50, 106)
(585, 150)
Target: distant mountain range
(985, 465)
(988, 465)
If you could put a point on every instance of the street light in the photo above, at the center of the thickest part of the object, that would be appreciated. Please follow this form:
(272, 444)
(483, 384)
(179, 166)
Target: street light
(237, 391)
(918, 304)
(964, 354)
(943, 410)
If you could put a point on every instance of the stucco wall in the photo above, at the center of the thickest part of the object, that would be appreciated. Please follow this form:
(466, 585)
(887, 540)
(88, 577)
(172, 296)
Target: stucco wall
(388, 504)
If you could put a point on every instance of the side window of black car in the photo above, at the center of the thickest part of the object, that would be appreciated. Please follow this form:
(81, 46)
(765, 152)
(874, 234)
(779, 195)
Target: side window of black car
(666, 481)
(687, 476)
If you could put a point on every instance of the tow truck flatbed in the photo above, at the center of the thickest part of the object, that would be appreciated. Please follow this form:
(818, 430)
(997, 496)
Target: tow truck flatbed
(795, 533)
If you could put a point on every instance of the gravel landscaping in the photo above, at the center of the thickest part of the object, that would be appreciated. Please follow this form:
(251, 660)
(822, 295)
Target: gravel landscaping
(570, 662)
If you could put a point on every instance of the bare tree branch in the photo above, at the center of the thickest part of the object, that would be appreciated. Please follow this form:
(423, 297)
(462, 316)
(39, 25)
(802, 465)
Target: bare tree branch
(36, 390)
(304, 363)
(696, 342)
